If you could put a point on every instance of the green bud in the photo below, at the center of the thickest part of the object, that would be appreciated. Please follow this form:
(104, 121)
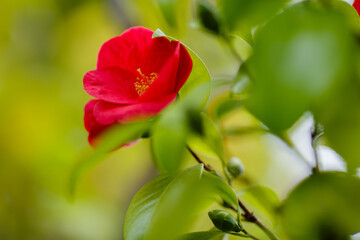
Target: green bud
(224, 221)
(208, 16)
(235, 167)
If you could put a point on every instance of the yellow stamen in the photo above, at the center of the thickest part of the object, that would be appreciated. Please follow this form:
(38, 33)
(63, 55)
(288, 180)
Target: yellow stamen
(143, 82)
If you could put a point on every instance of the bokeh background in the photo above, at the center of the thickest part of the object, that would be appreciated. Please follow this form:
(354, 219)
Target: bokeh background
(46, 47)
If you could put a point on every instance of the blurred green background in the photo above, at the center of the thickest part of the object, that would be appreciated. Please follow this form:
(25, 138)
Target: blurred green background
(46, 47)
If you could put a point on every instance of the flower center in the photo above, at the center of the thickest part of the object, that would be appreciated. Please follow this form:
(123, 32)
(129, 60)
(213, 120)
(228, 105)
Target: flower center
(143, 82)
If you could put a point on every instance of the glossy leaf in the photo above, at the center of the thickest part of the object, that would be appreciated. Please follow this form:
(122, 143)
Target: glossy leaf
(169, 139)
(218, 187)
(349, 13)
(156, 222)
(340, 112)
(239, 16)
(142, 207)
(190, 194)
(112, 139)
(167, 206)
(324, 206)
(300, 57)
(199, 77)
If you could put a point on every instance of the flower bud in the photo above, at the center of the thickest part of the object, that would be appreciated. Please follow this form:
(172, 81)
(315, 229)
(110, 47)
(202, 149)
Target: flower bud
(224, 221)
(235, 167)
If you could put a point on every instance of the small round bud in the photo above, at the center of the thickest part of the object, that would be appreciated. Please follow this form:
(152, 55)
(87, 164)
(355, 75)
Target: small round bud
(224, 221)
(235, 167)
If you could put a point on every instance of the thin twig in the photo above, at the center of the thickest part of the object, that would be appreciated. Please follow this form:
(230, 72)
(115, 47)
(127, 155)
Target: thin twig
(207, 167)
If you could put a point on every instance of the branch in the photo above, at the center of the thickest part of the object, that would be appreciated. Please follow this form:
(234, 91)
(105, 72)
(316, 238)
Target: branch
(207, 167)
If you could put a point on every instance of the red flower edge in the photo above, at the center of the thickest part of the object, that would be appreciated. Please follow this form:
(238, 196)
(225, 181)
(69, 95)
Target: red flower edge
(136, 77)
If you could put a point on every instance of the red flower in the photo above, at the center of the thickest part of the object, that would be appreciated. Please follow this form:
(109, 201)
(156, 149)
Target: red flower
(356, 5)
(137, 76)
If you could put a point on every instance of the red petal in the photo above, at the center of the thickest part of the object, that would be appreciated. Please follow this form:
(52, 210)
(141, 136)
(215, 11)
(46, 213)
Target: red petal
(165, 83)
(160, 50)
(92, 126)
(127, 50)
(111, 84)
(185, 67)
(107, 113)
(357, 6)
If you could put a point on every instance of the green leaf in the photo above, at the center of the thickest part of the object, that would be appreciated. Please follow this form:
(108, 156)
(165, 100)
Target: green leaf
(341, 120)
(199, 77)
(349, 13)
(300, 57)
(178, 206)
(202, 235)
(143, 206)
(339, 113)
(239, 16)
(169, 139)
(145, 216)
(261, 198)
(158, 33)
(212, 136)
(219, 188)
(324, 206)
(210, 141)
(167, 207)
(112, 139)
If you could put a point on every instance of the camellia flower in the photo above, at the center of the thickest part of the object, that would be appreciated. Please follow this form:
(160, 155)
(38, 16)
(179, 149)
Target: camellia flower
(136, 77)
(356, 5)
